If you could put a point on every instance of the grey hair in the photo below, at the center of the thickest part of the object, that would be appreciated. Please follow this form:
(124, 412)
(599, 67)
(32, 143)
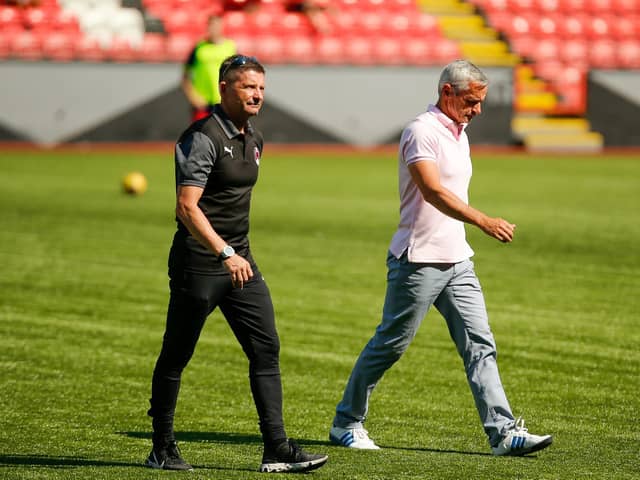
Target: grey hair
(461, 73)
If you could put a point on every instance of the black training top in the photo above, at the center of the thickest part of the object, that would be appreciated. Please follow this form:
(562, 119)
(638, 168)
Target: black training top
(213, 154)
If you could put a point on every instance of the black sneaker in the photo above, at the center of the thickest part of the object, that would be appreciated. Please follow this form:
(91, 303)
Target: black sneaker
(289, 457)
(167, 458)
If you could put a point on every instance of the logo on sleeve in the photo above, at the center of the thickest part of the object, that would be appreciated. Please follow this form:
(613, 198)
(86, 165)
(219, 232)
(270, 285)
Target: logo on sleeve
(256, 154)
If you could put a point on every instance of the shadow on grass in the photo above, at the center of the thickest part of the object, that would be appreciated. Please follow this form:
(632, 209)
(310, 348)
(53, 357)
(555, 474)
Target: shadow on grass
(442, 450)
(220, 437)
(58, 461)
(435, 450)
(74, 462)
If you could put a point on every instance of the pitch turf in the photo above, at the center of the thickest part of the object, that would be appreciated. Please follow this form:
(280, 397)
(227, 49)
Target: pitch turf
(83, 291)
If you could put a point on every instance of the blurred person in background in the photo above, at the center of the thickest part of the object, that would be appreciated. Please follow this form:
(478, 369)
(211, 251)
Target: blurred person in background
(318, 12)
(429, 264)
(200, 78)
(217, 161)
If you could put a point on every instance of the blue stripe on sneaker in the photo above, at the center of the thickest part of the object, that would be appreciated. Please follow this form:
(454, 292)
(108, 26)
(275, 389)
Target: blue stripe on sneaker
(346, 439)
(517, 442)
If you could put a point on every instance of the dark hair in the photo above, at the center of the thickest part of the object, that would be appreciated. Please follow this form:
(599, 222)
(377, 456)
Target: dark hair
(238, 62)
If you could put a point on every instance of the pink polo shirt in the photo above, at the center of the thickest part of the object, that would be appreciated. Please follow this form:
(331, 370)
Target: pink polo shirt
(427, 234)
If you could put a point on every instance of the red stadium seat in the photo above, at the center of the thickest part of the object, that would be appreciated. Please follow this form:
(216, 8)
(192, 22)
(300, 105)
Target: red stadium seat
(573, 26)
(37, 18)
(546, 50)
(629, 54)
(570, 86)
(624, 27)
(405, 6)
(572, 7)
(423, 24)
(179, 47)
(370, 5)
(517, 25)
(500, 21)
(547, 6)
(344, 23)
(185, 21)
(300, 50)
(90, 50)
(66, 21)
(245, 44)
(599, 6)
(153, 48)
(369, 23)
(598, 27)
(418, 51)
(122, 51)
(10, 19)
(396, 24)
(359, 51)
(446, 51)
(270, 49)
(330, 50)
(525, 46)
(388, 51)
(548, 70)
(493, 6)
(575, 52)
(235, 22)
(293, 23)
(543, 26)
(26, 46)
(160, 10)
(349, 5)
(603, 54)
(626, 7)
(263, 22)
(59, 46)
(522, 6)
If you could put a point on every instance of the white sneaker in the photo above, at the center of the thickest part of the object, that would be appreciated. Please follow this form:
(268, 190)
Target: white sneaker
(519, 442)
(352, 438)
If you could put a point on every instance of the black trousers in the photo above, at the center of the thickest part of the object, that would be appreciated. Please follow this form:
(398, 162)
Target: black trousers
(249, 312)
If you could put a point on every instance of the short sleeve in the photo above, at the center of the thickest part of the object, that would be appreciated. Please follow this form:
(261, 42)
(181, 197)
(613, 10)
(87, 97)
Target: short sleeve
(194, 157)
(191, 60)
(418, 143)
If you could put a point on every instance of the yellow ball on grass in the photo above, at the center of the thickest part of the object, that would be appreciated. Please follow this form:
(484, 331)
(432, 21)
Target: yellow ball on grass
(134, 183)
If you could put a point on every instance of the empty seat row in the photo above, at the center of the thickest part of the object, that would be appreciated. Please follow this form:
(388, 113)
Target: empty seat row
(270, 49)
(331, 50)
(371, 23)
(281, 5)
(618, 7)
(49, 18)
(356, 50)
(608, 54)
(566, 26)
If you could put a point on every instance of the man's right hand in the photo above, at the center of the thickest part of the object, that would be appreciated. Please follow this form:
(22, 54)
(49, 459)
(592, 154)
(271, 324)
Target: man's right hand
(499, 229)
(239, 269)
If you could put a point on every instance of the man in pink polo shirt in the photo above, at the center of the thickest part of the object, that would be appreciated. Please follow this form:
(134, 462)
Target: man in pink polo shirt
(429, 264)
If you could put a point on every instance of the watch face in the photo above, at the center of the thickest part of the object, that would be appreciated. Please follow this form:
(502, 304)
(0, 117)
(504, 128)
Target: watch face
(228, 251)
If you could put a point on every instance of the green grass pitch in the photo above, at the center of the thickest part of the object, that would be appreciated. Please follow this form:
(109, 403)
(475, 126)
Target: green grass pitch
(83, 292)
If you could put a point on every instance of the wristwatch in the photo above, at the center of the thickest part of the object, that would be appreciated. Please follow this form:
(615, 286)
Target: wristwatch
(227, 252)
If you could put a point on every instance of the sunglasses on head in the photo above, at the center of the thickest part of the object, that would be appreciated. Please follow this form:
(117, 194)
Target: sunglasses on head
(239, 61)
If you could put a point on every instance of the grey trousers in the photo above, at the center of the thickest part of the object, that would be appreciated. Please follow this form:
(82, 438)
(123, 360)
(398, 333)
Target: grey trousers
(455, 291)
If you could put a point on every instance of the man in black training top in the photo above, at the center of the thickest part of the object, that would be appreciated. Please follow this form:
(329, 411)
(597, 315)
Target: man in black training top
(210, 265)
